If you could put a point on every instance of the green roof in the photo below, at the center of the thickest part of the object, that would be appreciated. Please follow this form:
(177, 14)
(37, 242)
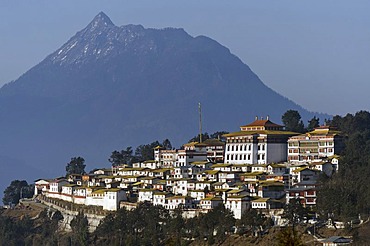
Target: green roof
(222, 190)
(212, 172)
(271, 183)
(149, 178)
(145, 190)
(196, 191)
(199, 162)
(161, 193)
(112, 190)
(274, 165)
(214, 198)
(300, 169)
(261, 199)
(101, 191)
(179, 197)
(221, 165)
(161, 170)
(258, 165)
(237, 197)
(233, 191)
(252, 174)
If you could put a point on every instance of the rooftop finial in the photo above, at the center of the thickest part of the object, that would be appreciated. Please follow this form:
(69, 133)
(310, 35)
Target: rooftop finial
(256, 118)
(267, 118)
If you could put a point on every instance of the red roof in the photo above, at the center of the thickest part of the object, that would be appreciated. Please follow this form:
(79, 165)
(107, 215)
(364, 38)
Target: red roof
(266, 123)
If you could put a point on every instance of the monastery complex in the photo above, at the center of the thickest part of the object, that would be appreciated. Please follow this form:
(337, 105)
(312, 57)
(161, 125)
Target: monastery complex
(262, 166)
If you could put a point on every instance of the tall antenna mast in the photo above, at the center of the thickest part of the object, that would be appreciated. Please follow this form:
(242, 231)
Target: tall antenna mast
(200, 123)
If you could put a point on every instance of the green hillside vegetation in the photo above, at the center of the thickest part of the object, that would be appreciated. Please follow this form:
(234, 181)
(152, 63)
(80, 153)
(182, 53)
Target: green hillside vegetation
(347, 193)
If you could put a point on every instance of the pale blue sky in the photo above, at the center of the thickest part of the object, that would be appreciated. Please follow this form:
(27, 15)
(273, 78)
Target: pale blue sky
(316, 53)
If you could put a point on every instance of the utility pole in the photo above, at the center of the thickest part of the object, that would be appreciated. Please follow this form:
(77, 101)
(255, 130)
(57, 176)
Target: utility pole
(200, 123)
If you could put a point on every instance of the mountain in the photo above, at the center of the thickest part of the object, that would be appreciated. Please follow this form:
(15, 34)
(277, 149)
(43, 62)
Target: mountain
(110, 87)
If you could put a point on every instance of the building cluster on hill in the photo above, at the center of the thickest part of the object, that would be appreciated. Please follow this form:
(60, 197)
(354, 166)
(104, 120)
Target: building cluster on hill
(261, 166)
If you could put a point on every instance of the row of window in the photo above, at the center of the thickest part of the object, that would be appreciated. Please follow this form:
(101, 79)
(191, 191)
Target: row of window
(244, 140)
(243, 157)
(238, 157)
(313, 143)
(244, 147)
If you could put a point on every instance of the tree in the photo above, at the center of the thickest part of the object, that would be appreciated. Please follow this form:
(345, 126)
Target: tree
(167, 144)
(219, 220)
(145, 152)
(292, 121)
(294, 212)
(127, 156)
(218, 134)
(287, 237)
(347, 193)
(15, 231)
(15, 190)
(196, 138)
(124, 156)
(176, 225)
(80, 228)
(313, 123)
(254, 221)
(75, 166)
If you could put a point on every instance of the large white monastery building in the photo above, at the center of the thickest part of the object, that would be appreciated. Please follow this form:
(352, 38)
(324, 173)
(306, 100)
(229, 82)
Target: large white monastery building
(260, 142)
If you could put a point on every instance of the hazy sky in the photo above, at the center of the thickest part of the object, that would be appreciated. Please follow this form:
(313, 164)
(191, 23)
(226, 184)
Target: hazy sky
(313, 52)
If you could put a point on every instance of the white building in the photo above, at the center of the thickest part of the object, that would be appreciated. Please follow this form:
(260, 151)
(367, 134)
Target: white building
(215, 150)
(319, 144)
(192, 152)
(159, 198)
(209, 203)
(165, 157)
(41, 185)
(109, 199)
(146, 195)
(56, 185)
(176, 201)
(260, 142)
(237, 204)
